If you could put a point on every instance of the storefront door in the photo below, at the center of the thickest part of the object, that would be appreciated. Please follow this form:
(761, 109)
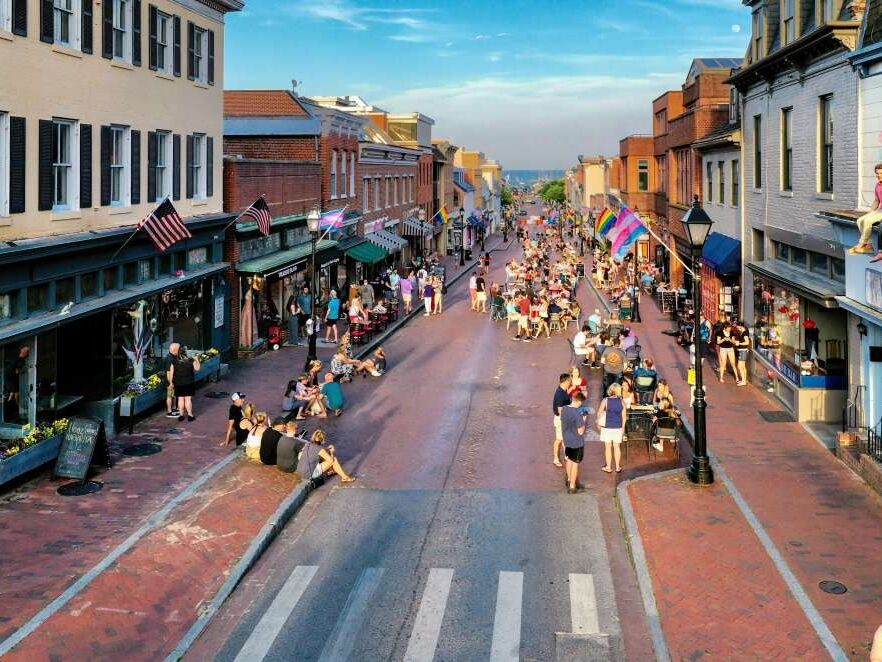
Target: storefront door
(19, 379)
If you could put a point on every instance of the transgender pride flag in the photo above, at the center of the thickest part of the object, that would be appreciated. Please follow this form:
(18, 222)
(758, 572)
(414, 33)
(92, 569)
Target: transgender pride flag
(627, 229)
(331, 220)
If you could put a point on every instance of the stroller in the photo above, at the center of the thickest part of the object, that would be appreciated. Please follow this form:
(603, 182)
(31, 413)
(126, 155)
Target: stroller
(274, 335)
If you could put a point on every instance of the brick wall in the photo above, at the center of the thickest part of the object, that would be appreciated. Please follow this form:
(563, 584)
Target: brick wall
(290, 187)
(231, 256)
(343, 145)
(393, 211)
(293, 148)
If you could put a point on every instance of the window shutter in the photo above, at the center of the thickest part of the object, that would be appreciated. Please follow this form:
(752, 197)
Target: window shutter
(85, 166)
(135, 165)
(20, 17)
(136, 32)
(17, 165)
(176, 167)
(177, 47)
(209, 167)
(107, 29)
(189, 167)
(106, 147)
(154, 45)
(151, 166)
(44, 193)
(191, 53)
(211, 57)
(86, 33)
(47, 22)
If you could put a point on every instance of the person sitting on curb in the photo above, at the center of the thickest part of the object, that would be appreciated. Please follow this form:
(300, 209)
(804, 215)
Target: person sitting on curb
(332, 392)
(318, 461)
(289, 446)
(307, 400)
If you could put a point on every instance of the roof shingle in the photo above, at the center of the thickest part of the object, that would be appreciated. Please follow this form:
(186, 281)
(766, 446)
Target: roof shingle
(261, 103)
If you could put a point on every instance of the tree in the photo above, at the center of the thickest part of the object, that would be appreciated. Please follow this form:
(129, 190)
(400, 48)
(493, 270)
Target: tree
(506, 198)
(553, 190)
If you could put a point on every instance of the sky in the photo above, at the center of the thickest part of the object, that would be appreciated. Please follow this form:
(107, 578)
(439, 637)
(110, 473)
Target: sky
(532, 83)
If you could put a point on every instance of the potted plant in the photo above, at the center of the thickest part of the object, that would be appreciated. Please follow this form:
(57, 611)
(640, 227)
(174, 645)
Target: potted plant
(141, 396)
(39, 446)
(210, 363)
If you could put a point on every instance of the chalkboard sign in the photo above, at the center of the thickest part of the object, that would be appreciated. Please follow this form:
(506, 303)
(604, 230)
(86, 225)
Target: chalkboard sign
(81, 440)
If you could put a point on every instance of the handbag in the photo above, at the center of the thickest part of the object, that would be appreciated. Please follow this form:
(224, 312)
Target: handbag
(601, 419)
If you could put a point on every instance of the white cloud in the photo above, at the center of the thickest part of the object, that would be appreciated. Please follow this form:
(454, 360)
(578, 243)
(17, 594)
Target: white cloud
(359, 17)
(495, 56)
(736, 28)
(480, 37)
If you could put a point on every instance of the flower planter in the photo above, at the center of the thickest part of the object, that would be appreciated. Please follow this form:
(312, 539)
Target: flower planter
(30, 458)
(209, 369)
(132, 406)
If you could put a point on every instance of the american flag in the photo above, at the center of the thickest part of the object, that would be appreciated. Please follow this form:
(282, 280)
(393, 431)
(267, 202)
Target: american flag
(259, 213)
(164, 226)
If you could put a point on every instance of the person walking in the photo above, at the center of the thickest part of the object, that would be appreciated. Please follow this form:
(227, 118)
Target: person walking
(406, 285)
(332, 314)
(367, 294)
(304, 300)
(184, 376)
(428, 294)
(168, 363)
(438, 305)
(572, 421)
(560, 400)
(473, 289)
(726, 348)
(611, 419)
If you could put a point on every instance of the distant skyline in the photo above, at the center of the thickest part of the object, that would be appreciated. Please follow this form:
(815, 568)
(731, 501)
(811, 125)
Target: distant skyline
(530, 84)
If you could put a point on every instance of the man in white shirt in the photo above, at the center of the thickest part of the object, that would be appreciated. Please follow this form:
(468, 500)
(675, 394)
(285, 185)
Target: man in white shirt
(595, 320)
(473, 289)
(582, 347)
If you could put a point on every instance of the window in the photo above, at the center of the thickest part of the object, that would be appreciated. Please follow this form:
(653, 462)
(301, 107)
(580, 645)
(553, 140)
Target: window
(66, 22)
(130, 273)
(759, 30)
(162, 166)
(166, 264)
(388, 183)
(643, 175)
(89, 285)
(365, 194)
(734, 105)
(111, 279)
(736, 175)
(786, 149)
(352, 175)
(119, 171)
(721, 176)
(197, 166)
(164, 37)
(63, 174)
(819, 264)
(662, 166)
(121, 29)
(376, 193)
(395, 192)
(333, 174)
(798, 257)
(709, 187)
(38, 297)
(410, 183)
(5, 18)
(64, 291)
(837, 267)
(4, 161)
(145, 270)
(782, 252)
(757, 151)
(788, 19)
(200, 70)
(826, 11)
(8, 305)
(826, 156)
(344, 180)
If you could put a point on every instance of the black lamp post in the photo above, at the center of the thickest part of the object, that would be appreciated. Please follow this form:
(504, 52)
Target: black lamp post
(422, 216)
(461, 237)
(505, 225)
(697, 225)
(313, 224)
(484, 218)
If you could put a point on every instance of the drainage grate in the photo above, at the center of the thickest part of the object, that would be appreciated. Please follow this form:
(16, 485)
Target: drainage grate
(174, 430)
(142, 450)
(80, 488)
(777, 416)
(829, 586)
(217, 395)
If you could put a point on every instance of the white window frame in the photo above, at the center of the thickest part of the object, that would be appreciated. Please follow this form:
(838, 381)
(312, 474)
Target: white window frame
(758, 35)
(200, 54)
(709, 187)
(735, 189)
(642, 167)
(199, 166)
(721, 184)
(395, 184)
(4, 162)
(333, 182)
(71, 165)
(826, 136)
(377, 194)
(826, 9)
(120, 166)
(789, 13)
(787, 149)
(72, 9)
(163, 171)
(388, 184)
(352, 192)
(344, 178)
(411, 187)
(365, 193)
(122, 30)
(165, 27)
(5, 15)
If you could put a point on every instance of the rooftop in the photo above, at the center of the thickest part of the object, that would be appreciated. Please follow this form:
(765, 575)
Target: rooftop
(262, 103)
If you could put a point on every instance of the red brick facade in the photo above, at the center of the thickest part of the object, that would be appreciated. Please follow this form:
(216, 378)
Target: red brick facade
(344, 147)
(290, 187)
(287, 148)
(424, 190)
(403, 175)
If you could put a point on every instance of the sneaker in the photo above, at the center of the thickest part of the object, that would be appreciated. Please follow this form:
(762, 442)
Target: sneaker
(181, 417)
(659, 446)
(174, 413)
(190, 419)
(527, 339)
(375, 373)
(515, 337)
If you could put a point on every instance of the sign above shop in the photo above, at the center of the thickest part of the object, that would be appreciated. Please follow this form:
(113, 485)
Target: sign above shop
(81, 440)
(328, 263)
(294, 268)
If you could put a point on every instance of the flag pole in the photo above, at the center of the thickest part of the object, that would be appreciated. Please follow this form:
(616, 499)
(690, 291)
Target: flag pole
(124, 244)
(327, 232)
(235, 220)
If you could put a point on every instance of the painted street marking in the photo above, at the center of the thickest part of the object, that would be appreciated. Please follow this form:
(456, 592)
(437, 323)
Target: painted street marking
(507, 622)
(274, 618)
(427, 625)
(342, 640)
(583, 604)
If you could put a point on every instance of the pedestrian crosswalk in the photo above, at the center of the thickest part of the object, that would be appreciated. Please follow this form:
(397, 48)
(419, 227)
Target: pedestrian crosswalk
(505, 643)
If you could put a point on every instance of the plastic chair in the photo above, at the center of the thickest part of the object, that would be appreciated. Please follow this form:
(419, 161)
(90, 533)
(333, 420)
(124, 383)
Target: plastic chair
(667, 430)
(554, 322)
(632, 353)
(644, 386)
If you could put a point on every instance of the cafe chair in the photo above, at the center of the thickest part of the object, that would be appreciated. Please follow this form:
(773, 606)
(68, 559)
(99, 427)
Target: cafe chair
(667, 431)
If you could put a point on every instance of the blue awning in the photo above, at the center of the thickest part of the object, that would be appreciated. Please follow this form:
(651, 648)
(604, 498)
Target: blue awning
(722, 254)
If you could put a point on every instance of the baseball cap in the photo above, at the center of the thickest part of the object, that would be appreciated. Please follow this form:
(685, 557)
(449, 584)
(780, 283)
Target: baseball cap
(237, 396)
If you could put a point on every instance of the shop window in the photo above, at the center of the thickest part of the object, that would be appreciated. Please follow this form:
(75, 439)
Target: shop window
(130, 274)
(296, 237)
(89, 285)
(16, 375)
(166, 264)
(145, 270)
(111, 279)
(47, 375)
(38, 297)
(198, 256)
(8, 305)
(819, 264)
(798, 257)
(837, 268)
(64, 291)
(782, 252)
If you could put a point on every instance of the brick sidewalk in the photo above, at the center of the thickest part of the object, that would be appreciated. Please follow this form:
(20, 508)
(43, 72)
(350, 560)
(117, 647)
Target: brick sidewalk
(153, 591)
(823, 520)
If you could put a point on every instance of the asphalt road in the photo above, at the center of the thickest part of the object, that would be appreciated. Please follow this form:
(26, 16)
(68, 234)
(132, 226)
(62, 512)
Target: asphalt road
(458, 542)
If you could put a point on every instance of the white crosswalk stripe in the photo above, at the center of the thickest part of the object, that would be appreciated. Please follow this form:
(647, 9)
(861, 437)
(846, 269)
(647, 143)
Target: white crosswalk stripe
(342, 640)
(506, 643)
(273, 619)
(427, 625)
(583, 604)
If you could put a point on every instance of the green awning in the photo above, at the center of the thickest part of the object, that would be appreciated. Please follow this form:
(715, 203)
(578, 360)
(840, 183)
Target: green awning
(287, 260)
(367, 253)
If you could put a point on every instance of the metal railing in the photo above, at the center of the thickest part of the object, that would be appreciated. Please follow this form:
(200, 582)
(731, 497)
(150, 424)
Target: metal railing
(853, 412)
(874, 442)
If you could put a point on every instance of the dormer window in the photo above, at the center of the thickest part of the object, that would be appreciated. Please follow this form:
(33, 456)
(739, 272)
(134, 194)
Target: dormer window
(788, 21)
(826, 11)
(734, 106)
(759, 34)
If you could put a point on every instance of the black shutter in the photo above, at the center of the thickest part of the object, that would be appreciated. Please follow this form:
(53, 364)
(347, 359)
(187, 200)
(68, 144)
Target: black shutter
(191, 52)
(135, 164)
(176, 167)
(189, 167)
(47, 24)
(106, 149)
(107, 29)
(177, 47)
(86, 36)
(85, 166)
(136, 32)
(151, 56)
(211, 57)
(20, 17)
(44, 194)
(151, 166)
(17, 165)
(209, 167)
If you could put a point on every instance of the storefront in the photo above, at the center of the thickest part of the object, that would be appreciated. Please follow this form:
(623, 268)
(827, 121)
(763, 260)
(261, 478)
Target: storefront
(800, 341)
(78, 326)
(721, 277)
(419, 236)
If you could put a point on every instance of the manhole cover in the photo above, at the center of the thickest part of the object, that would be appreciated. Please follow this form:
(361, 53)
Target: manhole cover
(80, 488)
(777, 416)
(829, 586)
(174, 430)
(142, 450)
(217, 395)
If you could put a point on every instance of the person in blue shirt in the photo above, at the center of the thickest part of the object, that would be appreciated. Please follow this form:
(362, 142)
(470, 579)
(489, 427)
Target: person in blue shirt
(333, 393)
(332, 314)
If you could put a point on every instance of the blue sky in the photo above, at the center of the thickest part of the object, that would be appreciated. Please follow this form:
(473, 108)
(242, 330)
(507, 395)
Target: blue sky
(531, 83)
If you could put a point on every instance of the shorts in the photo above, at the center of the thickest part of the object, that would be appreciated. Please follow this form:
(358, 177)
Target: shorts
(406, 298)
(743, 354)
(558, 430)
(330, 322)
(611, 434)
(574, 454)
(481, 296)
(170, 391)
(185, 390)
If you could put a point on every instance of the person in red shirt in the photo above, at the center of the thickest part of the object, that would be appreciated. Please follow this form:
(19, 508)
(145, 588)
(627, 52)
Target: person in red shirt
(523, 304)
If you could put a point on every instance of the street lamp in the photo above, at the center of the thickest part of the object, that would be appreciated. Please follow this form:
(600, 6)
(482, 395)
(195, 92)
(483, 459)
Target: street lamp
(635, 312)
(484, 219)
(462, 236)
(313, 224)
(697, 225)
(422, 216)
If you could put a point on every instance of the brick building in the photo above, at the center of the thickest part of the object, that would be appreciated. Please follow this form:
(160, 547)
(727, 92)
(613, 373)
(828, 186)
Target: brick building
(443, 190)
(669, 104)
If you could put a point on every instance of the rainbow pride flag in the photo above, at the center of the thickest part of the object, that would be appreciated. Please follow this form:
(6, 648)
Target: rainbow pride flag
(441, 216)
(605, 221)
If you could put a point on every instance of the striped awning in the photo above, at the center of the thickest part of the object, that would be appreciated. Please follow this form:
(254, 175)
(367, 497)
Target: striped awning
(412, 227)
(392, 243)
